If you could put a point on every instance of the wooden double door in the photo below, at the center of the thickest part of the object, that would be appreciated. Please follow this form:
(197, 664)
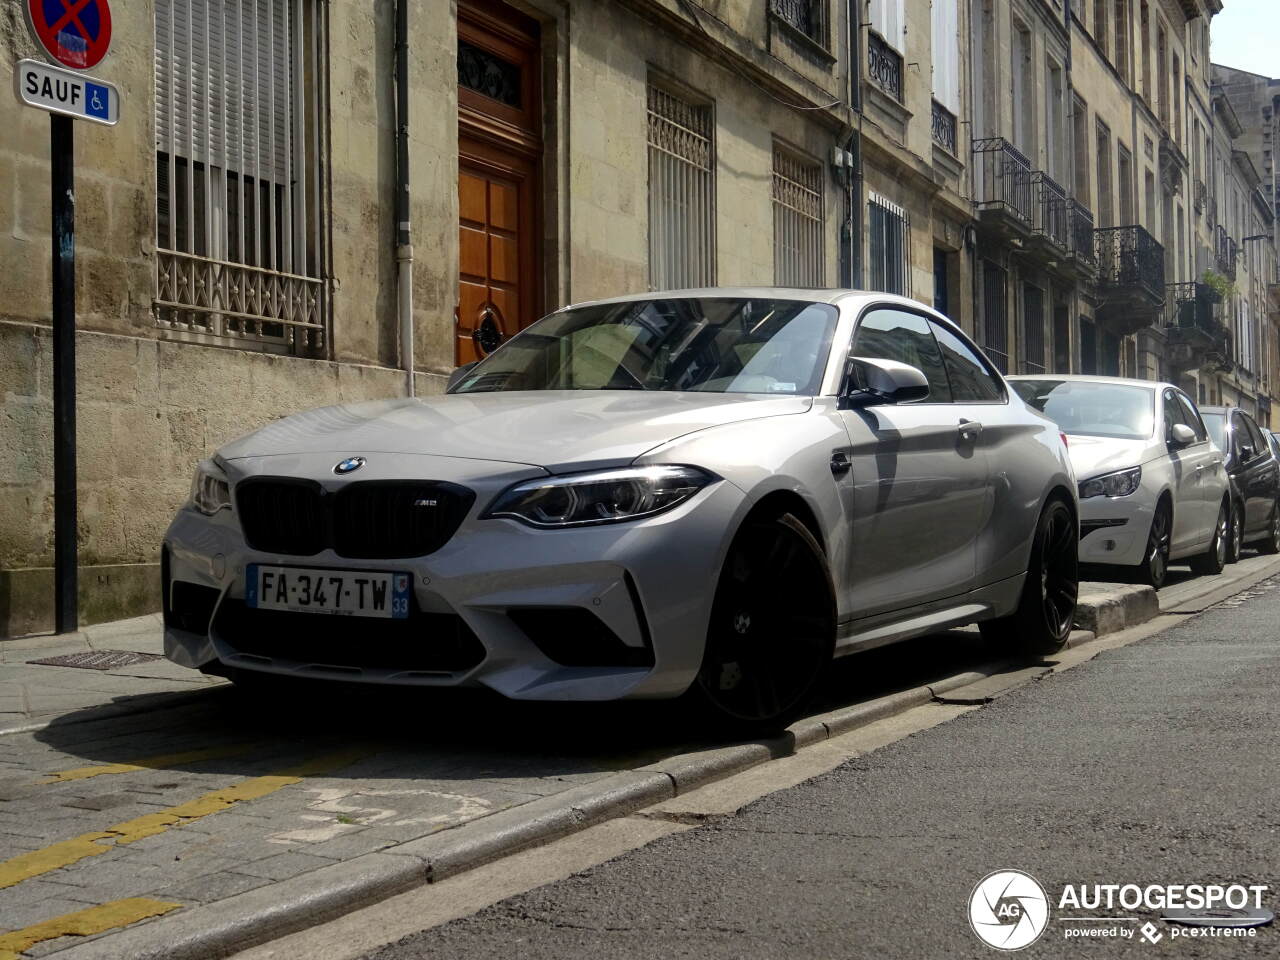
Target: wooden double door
(499, 176)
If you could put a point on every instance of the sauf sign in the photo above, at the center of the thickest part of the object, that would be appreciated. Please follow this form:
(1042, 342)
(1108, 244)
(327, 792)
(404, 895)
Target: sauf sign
(61, 91)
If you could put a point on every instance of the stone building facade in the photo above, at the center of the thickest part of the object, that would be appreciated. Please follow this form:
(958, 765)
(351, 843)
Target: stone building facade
(271, 227)
(238, 241)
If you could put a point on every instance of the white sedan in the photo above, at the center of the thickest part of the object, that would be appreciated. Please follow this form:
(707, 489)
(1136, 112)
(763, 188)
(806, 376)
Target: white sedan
(1153, 487)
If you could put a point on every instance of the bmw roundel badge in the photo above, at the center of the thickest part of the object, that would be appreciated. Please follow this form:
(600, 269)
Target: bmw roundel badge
(349, 465)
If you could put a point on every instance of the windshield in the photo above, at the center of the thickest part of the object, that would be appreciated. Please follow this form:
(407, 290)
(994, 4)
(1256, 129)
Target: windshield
(1216, 423)
(717, 345)
(1091, 409)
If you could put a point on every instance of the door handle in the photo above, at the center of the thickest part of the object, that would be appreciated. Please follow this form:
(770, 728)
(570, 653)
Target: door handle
(970, 430)
(840, 464)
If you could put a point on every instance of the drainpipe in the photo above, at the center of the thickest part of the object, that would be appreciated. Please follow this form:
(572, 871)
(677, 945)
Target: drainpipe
(404, 245)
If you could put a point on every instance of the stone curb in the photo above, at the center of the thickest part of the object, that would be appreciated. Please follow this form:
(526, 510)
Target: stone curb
(1117, 608)
(109, 711)
(1200, 602)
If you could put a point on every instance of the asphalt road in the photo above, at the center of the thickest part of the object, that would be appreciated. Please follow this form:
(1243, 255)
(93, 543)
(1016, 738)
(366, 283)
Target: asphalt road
(1155, 762)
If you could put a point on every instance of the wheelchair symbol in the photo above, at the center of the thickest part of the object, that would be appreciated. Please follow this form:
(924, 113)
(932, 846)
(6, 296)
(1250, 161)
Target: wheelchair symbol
(95, 104)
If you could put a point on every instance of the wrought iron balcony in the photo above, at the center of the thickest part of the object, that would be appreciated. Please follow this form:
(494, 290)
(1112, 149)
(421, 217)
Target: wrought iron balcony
(1225, 250)
(1189, 309)
(804, 16)
(1130, 278)
(1051, 218)
(1084, 249)
(884, 66)
(1004, 186)
(944, 127)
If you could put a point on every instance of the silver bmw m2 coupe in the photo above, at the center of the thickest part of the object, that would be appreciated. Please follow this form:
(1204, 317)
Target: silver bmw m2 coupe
(707, 493)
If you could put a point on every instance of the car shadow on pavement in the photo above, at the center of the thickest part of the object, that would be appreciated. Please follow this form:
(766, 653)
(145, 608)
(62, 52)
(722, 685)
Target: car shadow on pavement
(454, 734)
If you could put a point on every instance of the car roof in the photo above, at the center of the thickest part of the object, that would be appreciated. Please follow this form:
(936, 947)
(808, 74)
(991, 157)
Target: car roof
(803, 294)
(1090, 378)
(1222, 410)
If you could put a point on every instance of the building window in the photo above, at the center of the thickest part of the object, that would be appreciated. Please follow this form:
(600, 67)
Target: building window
(798, 222)
(1055, 121)
(889, 248)
(681, 192)
(1024, 109)
(1144, 45)
(1105, 209)
(808, 17)
(1125, 174)
(1080, 130)
(240, 141)
(946, 72)
(1033, 329)
(1122, 39)
(885, 45)
(995, 329)
(1100, 25)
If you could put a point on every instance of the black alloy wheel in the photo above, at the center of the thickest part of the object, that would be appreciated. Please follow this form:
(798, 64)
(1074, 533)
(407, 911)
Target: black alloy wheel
(1272, 543)
(1046, 611)
(1155, 564)
(772, 630)
(1236, 543)
(1215, 557)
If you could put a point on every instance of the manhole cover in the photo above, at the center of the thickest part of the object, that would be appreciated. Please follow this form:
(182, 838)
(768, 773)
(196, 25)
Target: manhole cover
(98, 659)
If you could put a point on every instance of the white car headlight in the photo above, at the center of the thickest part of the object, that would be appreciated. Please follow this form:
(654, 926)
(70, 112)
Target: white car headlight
(608, 496)
(1122, 483)
(210, 491)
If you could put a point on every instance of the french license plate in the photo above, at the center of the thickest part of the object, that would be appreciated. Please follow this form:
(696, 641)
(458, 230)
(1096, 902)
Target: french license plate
(352, 593)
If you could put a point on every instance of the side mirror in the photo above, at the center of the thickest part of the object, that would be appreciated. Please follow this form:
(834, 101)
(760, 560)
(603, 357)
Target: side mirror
(1181, 435)
(458, 374)
(874, 381)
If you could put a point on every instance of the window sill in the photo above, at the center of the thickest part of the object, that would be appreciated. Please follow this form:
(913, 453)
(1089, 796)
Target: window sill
(801, 39)
(945, 160)
(895, 114)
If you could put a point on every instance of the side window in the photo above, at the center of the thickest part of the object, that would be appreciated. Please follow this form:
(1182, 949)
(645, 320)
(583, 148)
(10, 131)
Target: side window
(1240, 438)
(905, 337)
(1172, 414)
(971, 382)
(1191, 417)
(1255, 436)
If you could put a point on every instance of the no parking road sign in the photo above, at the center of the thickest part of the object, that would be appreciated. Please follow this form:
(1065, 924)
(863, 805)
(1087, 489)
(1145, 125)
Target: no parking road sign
(76, 33)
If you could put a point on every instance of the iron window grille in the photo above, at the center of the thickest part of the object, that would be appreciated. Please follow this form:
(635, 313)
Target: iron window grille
(890, 247)
(681, 192)
(798, 223)
(1033, 317)
(1083, 245)
(241, 204)
(884, 66)
(995, 330)
(944, 127)
(1225, 252)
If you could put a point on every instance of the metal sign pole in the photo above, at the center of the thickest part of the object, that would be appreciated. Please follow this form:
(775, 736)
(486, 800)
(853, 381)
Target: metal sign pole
(62, 146)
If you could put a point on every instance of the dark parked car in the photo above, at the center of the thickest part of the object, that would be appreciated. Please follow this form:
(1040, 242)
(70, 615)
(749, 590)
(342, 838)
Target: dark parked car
(1254, 469)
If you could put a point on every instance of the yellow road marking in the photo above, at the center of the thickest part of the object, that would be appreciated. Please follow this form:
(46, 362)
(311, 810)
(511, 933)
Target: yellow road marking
(83, 923)
(63, 854)
(160, 762)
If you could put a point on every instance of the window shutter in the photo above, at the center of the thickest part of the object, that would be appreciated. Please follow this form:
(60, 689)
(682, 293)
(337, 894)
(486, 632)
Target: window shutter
(946, 54)
(224, 83)
(888, 18)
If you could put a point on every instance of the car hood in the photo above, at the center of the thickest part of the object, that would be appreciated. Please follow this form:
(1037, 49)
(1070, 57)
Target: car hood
(559, 430)
(1093, 456)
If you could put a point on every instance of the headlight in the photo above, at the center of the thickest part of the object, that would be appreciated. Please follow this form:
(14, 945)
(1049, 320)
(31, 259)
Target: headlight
(210, 491)
(1118, 484)
(609, 496)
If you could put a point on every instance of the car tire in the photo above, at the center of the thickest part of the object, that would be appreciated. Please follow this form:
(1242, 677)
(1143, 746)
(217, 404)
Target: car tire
(1046, 610)
(1154, 568)
(1236, 543)
(1214, 559)
(772, 631)
(1272, 542)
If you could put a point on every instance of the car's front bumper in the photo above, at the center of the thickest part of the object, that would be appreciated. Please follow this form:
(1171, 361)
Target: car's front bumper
(649, 582)
(1115, 531)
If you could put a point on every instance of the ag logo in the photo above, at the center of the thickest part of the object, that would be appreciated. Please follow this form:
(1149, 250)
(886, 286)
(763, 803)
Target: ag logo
(1008, 910)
